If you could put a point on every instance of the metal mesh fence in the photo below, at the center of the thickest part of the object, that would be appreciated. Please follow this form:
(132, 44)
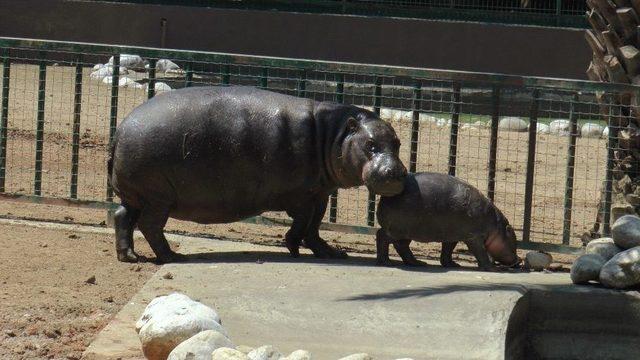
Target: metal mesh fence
(537, 147)
(567, 13)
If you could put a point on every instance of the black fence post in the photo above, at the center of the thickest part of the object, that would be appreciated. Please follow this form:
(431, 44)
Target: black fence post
(301, 91)
(188, 75)
(75, 142)
(531, 166)
(226, 74)
(113, 123)
(377, 103)
(416, 106)
(151, 86)
(264, 79)
(571, 162)
(455, 123)
(493, 142)
(333, 209)
(612, 144)
(4, 117)
(42, 85)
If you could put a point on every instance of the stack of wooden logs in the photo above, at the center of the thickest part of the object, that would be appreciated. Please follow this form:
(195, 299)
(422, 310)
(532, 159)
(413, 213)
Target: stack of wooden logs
(615, 39)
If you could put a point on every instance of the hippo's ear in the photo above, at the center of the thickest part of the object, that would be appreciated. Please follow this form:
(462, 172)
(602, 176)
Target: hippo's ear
(353, 125)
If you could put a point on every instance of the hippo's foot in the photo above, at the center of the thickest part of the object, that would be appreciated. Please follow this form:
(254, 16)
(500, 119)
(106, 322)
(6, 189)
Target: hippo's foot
(294, 249)
(322, 250)
(127, 255)
(450, 264)
(170, 257)
(414, 262)
(383, 262)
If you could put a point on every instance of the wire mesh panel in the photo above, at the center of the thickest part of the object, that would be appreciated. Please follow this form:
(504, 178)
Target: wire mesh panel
(538, 148)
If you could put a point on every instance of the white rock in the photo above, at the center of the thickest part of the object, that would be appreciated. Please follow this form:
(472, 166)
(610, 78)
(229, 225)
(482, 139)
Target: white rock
(97, 66)
(604, 247)
(244, 349)
(160, 87)
(591, 130)
(480, 124)
(542, 128)
(586, 268)
(266, 352)
(626, 231)
(200, 346)
(395, 115)
(605, 132)
(228, 354)
(427, 118)
(560, 127)
(299, 355)
(537, 260)
(169, 320)
(443, 122)
(623, 270)
(359, 356)
(130, 61)
(165, 65)
(510, 123)
(105, 71)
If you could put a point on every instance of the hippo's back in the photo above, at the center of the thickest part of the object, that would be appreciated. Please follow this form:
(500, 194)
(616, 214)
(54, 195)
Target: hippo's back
(436, 207)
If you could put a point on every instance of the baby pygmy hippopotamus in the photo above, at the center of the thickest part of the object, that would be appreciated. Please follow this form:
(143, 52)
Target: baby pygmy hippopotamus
(441, 208)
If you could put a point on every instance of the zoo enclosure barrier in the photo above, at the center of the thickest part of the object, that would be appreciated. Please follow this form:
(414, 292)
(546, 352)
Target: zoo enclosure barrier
(534, 146)
(557, 13)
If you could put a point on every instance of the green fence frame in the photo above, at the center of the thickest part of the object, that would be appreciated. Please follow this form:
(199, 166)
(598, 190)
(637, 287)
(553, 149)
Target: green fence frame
(496, 81)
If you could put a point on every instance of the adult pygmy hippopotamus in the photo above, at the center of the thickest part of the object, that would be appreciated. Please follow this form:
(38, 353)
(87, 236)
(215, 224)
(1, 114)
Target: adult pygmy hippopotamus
(441, 208)
(222, 154)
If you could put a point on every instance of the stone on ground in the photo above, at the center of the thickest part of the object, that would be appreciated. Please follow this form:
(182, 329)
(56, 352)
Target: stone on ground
(537, 260)
(591, 130)
(228, 354)
(560, 127)
(513, 124)
(200, 346)
(266, 352)
(542, 128)
(623, 270)
(604, 247)
(626, 231)
(587, 268)
(299, 355)
(169, 320)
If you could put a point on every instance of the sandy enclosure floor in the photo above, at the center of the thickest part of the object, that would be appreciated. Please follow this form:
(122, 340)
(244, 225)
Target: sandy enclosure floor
(48, 310)
(432, 155)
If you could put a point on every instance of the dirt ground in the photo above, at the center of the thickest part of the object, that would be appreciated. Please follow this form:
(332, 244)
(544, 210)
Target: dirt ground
(58, 289)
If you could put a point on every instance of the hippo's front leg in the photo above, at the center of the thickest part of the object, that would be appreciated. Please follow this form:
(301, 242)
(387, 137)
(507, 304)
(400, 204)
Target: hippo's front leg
(306, 225)
(476, 246)
(402, 248)
(382, 248)
(446, 255)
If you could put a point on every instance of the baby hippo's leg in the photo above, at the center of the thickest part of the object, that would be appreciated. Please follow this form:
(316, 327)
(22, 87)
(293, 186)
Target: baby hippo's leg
(402, 248)
(446, 255)
(476, 245)
(382, 248)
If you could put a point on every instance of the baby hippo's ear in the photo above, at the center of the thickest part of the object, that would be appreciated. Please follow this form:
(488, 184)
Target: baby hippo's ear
(353, 125)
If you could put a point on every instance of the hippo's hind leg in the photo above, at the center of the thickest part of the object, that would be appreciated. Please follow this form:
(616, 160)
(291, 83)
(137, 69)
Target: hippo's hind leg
(402, 248)
(382, 248)
(306, 224)
(125, 221)
(151, 223)
(446, 255)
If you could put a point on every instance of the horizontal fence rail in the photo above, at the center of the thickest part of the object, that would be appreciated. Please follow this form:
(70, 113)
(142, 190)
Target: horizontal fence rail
(525, 12)
(537, 147)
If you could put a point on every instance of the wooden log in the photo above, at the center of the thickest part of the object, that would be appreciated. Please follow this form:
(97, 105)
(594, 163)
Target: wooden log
(611, 41)
(597, 22)
(631, 59)
(596, 45)
(615, 70)
(622, 3)
(629, 21)
(607, 10)
(635, 4)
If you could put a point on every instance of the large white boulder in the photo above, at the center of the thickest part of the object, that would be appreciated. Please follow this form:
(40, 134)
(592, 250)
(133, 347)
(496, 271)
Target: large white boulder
(591, 130)
(105, 71)
(165, 65)
(605, 132)
(228, 354)
(200, 346)
(542, 128)
(604, 247)
(358, 356)
(169, 320)
(160, 87)
(299, 355)
(266, 352)
(587, 268)
(395, 115)
(560, 127)
(626, 231)
(510, 123)
(130, 61)
(623, 270)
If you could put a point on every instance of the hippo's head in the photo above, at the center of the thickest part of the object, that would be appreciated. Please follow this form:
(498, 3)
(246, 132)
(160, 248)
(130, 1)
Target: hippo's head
(502, 243)
(366, 152)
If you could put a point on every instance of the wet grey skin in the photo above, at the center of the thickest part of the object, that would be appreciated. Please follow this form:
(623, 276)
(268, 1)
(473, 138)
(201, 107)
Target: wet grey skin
(441, 208)
(222, 154)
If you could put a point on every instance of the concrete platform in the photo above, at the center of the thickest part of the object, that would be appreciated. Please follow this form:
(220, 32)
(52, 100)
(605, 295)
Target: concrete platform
(336, 308)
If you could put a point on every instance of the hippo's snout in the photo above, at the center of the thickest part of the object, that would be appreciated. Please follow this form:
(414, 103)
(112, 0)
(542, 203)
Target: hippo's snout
(385, 175)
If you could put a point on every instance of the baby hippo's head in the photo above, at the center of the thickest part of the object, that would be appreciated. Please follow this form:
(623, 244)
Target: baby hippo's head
(501, 244)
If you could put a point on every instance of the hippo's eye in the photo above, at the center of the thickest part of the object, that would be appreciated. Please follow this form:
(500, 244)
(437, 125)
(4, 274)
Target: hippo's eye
(371, 146)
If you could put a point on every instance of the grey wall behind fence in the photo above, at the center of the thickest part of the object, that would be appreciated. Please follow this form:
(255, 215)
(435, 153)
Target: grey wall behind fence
(520, 50)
